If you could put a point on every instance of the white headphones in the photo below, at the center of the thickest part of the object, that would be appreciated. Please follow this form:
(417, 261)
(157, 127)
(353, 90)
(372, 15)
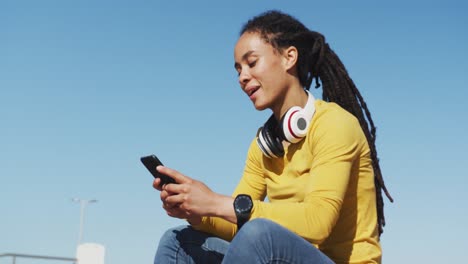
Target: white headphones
(292, 128)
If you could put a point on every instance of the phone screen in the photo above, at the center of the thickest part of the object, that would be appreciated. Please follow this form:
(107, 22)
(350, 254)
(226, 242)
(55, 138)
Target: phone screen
(151, 162)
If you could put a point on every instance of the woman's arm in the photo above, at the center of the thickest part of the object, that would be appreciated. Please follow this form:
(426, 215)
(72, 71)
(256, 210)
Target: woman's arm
(206, 210)
(336, 143)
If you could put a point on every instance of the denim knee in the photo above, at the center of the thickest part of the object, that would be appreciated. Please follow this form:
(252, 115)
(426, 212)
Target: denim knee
(264, 241)
(184, 244)
(169, 238)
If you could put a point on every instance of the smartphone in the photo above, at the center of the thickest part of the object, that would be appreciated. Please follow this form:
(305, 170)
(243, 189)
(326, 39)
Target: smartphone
(151, 162)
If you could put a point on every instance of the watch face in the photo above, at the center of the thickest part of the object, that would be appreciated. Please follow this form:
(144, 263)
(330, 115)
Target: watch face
(243, 204)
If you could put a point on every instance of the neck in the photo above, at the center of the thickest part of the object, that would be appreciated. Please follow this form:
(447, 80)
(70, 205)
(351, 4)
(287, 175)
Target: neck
(295, 96)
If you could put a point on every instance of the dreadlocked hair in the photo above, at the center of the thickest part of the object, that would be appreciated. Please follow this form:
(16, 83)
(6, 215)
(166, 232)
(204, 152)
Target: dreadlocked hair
(317, 61)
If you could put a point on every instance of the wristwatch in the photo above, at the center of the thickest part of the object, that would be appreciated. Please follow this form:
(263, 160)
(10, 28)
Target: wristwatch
(242, 207)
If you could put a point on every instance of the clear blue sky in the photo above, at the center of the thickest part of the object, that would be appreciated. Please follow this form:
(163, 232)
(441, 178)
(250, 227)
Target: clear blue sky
(87, 87)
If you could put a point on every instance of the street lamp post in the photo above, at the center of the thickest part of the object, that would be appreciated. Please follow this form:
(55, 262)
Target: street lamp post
(83, 203)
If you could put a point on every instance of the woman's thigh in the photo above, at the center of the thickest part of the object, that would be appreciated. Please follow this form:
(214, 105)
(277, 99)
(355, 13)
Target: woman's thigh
(263, 241)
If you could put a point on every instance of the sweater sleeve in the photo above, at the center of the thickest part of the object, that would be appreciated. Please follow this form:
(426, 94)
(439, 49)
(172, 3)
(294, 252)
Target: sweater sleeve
(335, 143)
(335, 146)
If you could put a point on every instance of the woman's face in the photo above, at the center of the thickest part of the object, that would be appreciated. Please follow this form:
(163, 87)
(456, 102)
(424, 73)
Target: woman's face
(262, 71)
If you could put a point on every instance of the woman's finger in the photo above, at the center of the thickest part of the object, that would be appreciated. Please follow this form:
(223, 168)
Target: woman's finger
(163, 195)
(173, 200)
(177, 176)
(156, 184)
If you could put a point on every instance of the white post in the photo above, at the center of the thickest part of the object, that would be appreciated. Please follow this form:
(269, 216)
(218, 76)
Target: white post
(80, 234)
(83, 204)
(90, 253)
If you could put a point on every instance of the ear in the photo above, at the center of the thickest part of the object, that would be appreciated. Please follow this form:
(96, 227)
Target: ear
(290, 55)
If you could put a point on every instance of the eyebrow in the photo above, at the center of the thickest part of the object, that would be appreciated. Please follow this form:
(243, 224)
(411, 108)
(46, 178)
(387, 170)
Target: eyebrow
(244, 57)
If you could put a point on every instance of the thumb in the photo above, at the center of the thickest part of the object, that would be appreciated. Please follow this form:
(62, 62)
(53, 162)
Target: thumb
(177, 176)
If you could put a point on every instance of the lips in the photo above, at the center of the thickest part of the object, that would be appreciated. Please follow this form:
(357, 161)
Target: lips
(251, 90)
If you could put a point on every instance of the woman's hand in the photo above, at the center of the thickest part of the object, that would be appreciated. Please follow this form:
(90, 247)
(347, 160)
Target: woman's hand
(188, 199)
(176, 211)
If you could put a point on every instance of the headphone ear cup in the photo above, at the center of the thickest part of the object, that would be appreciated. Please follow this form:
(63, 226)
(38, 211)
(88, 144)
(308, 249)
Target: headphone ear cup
(274, 141)
(289, 125)
(269, 141)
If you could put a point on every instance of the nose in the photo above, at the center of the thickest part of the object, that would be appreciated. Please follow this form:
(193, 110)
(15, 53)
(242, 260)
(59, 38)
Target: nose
(244, 77)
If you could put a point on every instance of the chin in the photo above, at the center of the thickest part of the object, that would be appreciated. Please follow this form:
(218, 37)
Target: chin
(260, 107)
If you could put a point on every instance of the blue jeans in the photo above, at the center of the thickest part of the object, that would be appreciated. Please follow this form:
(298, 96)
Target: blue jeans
(259, 241)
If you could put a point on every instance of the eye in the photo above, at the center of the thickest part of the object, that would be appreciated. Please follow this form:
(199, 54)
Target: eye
(238, 69)
(252, 64)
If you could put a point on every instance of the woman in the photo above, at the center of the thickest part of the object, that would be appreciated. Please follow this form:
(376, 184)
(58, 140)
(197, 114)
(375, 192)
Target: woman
(315, 160)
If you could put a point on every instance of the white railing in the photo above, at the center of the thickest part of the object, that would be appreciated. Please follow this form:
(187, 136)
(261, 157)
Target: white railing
(14, 256)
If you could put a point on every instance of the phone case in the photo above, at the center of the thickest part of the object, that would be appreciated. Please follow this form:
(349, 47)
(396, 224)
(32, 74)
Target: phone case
(151, 162)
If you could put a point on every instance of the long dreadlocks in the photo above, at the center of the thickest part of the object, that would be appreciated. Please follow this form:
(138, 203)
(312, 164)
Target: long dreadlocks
(317, 61)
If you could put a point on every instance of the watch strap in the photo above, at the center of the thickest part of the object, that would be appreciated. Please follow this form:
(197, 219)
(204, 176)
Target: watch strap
(242, 207)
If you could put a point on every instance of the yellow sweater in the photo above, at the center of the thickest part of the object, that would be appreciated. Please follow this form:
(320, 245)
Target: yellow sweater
(322, 189)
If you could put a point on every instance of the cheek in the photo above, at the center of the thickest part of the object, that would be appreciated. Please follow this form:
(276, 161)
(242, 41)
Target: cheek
(262, 73)
(272, 77)
(268, 73)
